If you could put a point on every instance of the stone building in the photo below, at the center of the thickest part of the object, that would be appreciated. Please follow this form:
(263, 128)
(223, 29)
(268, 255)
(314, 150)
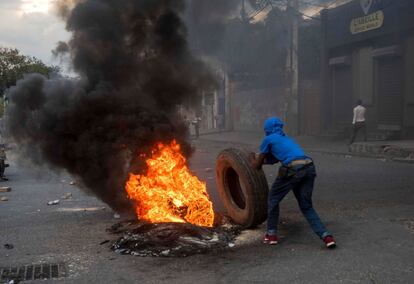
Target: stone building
(368, 54)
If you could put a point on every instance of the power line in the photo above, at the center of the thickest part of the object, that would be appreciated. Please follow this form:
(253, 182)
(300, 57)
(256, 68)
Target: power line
(257, 12)
(312, 4)
(304, 15)
(389, 5)
(316, 18)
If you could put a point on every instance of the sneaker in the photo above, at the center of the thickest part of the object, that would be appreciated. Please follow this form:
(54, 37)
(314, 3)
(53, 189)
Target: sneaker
(270, 239)
(329, 242)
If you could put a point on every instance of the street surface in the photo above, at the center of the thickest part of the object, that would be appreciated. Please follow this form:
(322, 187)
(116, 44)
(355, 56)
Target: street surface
(367, 203)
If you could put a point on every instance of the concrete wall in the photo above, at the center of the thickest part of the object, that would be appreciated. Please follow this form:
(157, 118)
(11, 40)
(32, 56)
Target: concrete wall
(250, 107)
(310, 119)
(409, 87)
(363, 82)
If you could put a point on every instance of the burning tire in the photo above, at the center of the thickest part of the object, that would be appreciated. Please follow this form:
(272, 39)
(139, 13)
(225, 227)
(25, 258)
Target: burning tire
(242, 189)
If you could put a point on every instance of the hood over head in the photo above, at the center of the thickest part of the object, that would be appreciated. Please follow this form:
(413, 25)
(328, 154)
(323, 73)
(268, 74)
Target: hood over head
(273, 126)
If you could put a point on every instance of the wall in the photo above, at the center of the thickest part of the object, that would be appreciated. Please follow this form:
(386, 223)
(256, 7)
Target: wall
(397, 17)
(310, 107)
(363, 82)
(251, 107)
(409, 87)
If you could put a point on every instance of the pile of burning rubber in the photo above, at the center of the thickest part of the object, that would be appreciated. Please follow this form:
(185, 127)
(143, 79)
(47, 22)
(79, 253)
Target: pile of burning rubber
(171, 239)
(176, 216)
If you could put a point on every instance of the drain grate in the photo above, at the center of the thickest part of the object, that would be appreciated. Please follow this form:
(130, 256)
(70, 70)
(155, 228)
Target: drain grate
(33, 272)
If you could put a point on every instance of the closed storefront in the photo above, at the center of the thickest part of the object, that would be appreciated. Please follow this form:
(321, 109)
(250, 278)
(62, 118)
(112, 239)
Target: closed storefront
(367, 45)
(342, 94)
(390, 93)
(310, 106)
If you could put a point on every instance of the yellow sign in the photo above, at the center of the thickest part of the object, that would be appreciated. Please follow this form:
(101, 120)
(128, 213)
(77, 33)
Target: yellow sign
(370, 22)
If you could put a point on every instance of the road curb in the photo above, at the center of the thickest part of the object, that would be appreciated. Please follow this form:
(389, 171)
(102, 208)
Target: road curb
(384, 150)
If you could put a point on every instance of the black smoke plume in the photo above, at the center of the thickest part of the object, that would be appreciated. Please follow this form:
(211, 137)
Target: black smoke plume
(213, 10)
(208, 20)
(135, 69)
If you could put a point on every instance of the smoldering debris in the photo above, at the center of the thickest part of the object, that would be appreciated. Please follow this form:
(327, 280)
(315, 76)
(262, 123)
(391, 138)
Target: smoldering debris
(135, 68)
(54, 202)
(9, 246)
(67, 195)
(5, 189)
(172, 239)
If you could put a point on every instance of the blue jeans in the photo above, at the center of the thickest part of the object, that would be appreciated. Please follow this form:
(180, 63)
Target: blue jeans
(300, 181)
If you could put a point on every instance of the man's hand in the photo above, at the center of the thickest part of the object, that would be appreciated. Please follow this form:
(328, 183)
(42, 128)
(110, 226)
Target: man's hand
(256, 162)
(252, 159)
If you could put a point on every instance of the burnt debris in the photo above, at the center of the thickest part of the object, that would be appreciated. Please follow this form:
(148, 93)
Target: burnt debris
(171, 239)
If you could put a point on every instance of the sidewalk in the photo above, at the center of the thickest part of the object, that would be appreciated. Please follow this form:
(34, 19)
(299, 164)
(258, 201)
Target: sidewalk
(401, 151)
(253, 139)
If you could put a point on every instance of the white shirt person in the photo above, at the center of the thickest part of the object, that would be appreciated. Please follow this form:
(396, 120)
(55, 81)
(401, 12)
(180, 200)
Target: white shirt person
(359, 121)
(359, 114)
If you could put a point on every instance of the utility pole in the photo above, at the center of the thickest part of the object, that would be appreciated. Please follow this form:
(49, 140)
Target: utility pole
(293, 69)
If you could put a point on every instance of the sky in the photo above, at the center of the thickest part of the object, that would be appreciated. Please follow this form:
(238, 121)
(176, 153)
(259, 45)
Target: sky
(31, 27)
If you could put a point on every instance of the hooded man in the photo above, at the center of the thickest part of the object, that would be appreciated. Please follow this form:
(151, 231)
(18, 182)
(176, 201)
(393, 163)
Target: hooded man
(297, 173)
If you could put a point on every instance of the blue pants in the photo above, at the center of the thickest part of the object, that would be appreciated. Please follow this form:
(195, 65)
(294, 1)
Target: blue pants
(300, 181)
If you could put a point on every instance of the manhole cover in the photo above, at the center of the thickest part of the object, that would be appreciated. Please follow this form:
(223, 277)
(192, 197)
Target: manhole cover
(33, 272)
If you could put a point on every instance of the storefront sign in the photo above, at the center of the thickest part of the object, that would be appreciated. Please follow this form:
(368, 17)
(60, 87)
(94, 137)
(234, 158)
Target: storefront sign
(367, 23)
(366, 5)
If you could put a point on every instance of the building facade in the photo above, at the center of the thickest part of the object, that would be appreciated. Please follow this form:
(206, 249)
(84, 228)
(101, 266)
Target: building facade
(368, 54)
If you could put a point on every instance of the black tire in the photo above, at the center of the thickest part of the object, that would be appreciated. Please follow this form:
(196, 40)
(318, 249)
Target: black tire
(243, 190)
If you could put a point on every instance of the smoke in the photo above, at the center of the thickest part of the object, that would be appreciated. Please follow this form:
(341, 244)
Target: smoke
(135, 69)
(61, 48)
(213, 10)
(208, 22)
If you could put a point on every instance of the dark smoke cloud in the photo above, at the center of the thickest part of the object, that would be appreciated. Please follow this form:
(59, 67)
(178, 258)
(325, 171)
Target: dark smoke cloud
(213, 10)
(208, 21)
(61, 48)
(135, 69)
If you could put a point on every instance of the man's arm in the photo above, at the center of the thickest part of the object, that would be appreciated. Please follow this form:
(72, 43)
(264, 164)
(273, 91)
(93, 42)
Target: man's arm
(257, 162)
(355, 113)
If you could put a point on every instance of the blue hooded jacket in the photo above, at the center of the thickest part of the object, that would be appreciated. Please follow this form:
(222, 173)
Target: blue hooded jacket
(278, 144)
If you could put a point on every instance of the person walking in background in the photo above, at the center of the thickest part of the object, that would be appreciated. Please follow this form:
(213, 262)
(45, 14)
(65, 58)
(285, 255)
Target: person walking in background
(196, 122)
(358, 122)
(187, 122)
(3, 164)
(297, 173)
(219, 122)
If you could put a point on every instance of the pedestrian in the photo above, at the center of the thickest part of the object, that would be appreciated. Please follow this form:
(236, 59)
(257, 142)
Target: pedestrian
(297, 173)
(196, 123)
(219, 122)
(359, 122)
(3, 164)
(186, 121)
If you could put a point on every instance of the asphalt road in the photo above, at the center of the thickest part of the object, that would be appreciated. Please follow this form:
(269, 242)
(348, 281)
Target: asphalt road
(366, 203)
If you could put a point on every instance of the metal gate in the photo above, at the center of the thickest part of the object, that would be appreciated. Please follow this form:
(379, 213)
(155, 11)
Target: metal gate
(310, 107)
(342, 95)
(390, 93)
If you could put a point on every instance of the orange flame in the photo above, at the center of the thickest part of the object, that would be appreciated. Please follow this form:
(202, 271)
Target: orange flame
(169, 192)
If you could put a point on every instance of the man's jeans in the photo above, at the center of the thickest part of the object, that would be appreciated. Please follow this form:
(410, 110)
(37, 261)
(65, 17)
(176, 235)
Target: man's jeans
(358, 126)
(301, 183)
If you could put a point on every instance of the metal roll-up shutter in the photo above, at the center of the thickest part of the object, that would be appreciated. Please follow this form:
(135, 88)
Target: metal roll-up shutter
(390, 93)
(342, 94)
